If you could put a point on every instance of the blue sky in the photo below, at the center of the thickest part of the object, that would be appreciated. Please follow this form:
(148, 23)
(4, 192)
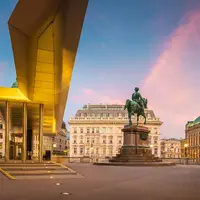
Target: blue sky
(120, 43)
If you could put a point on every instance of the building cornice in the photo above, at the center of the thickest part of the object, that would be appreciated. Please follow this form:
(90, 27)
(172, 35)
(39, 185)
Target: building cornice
(192, 128)
(108, 121)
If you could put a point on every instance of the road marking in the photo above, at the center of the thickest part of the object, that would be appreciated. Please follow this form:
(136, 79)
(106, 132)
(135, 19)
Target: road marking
(7, 174)
(70, 169)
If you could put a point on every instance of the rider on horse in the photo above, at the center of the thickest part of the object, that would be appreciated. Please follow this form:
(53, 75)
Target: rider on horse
(136, 106)
(136, 96)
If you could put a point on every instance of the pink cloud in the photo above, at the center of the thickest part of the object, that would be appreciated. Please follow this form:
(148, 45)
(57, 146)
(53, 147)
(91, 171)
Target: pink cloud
(88, 91)
(91, 96)
(172, 87)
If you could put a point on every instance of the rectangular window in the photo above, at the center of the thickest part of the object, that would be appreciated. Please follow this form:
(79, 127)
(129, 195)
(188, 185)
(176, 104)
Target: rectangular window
(88, 130)
(81, 150)
(81, 130)
(75, 130)
(1, 145)
(92, 130)
(155, 137)
(75, 150)
(1, 135)
(97, 130)
(1, 126)
(88, 140)
(155, 151)
(103, 130)
(104, 141)
(149, 139)
(74, 141)
(110, 130)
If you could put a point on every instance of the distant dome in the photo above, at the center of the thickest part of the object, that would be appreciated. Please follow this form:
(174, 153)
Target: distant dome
(14, 85)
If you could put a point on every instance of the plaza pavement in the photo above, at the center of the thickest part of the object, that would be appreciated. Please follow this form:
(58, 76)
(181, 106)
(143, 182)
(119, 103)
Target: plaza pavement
(110, 182)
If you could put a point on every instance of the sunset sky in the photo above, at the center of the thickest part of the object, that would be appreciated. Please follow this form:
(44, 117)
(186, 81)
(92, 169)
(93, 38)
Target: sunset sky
(152, 44)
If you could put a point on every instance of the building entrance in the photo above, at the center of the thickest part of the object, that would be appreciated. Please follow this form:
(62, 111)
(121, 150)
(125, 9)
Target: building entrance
(16, 146)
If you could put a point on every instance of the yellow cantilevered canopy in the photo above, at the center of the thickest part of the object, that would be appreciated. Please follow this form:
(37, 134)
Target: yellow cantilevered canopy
(45, 36)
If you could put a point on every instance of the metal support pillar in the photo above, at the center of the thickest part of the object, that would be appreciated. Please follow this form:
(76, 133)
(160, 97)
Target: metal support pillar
(41, 119)
(24, 132)
(7, 136)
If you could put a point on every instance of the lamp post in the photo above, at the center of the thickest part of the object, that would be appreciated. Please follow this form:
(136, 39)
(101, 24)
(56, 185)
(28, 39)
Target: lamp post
(91, 152)
(151, 146)
(54, 147)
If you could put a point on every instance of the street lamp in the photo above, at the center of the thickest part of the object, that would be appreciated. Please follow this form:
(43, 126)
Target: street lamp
(151, 146)
(91, 152)
(54, 147)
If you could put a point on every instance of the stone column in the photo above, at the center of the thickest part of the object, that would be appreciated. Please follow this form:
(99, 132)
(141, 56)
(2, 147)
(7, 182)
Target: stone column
(24, 153)
(7, 132)
(41, 119)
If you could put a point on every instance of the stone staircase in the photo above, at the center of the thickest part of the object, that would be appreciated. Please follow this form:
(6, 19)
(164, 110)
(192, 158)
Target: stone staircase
(46, 170)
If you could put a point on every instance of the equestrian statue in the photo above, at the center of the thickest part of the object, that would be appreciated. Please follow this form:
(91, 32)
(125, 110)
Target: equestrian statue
(136, 106)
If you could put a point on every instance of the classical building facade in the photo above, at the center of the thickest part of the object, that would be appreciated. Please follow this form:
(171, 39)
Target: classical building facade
(59, 142)
(56, 144)
(95, 131)
(184, 147)
(170, 148)
(192, 136)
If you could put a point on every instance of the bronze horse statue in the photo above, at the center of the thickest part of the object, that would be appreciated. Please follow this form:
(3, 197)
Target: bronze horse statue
(134, 108)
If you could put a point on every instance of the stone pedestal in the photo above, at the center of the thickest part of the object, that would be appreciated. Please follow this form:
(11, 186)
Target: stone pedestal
(135, 150)
(135, 138)
(135, 147)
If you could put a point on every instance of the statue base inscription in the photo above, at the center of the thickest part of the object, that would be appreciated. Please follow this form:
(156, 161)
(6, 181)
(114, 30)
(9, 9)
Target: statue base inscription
(135, 150)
